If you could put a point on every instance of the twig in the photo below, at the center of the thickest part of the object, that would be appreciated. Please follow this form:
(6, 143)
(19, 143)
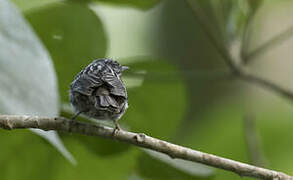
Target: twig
(235, 69)
(245, 34)
(200, 17)
(139, 139)
(285, 35)
(266, 84)
(255, 152)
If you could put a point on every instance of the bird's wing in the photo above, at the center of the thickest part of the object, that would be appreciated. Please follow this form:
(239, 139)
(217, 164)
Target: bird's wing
(87, 81)
(85, 86)
(106, 101)
(117, 87)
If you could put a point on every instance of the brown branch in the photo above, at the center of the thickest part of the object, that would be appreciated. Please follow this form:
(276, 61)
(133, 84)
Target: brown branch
(139, 139)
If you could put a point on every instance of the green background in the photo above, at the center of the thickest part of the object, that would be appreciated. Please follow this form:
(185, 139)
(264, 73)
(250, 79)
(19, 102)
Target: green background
(179, 87)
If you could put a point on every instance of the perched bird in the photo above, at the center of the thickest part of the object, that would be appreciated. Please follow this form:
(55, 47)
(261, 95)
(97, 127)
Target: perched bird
(98, 91)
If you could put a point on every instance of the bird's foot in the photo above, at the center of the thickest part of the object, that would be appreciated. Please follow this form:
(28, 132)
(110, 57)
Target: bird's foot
(75, 115)
(116, 129)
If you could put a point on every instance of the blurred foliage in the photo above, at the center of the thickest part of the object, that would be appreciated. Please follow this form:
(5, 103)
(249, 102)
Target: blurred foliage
(141, 4)
(179, 93)
(152, 168)
(26, 73)
(72, 28)
(27, 5)
(229, 18)
(153, 101)
(18, 160)
(153, 165)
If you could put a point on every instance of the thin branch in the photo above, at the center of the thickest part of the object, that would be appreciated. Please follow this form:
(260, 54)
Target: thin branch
(200, 17)
(240, 73)
(139, 139)
(236, 70)
(266, 84)
(285, 35)
(255, 152)
(245, 36)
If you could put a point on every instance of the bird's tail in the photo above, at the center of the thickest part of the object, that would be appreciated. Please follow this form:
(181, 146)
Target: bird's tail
(106, 101)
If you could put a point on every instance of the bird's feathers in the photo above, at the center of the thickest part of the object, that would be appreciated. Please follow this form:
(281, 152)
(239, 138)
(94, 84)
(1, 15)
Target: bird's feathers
(100, 82)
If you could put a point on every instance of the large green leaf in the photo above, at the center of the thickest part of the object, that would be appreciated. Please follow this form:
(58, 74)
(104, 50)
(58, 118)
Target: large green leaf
(158, 105)
(74, 36)
(28, 157)
(27, 78)
(156, 108)
(95, 165)
(220, 132)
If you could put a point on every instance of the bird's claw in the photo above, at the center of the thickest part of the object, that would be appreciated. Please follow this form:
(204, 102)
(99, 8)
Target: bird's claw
(116, 129)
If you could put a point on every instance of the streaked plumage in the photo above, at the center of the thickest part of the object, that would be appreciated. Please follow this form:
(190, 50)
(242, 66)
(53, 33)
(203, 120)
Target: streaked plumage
(98, 91)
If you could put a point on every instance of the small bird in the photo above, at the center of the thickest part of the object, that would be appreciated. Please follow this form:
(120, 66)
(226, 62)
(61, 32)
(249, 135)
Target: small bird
(98, 91)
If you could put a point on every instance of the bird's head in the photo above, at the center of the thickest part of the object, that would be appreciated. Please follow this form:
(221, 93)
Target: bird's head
(115, 66)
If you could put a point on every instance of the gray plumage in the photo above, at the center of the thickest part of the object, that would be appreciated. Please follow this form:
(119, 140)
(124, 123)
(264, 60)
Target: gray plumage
(98, 91)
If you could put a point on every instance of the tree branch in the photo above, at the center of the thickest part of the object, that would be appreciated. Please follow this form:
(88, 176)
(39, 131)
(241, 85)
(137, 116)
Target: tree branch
(235, 69)
(255, 151)
(285, 35)
(200, 16)
(139, 139)
(265, 84)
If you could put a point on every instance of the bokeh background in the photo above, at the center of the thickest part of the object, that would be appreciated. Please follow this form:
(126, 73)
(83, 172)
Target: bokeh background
(180, 88)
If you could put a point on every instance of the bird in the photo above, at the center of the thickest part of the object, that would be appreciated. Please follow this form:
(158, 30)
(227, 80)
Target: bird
(98, 91)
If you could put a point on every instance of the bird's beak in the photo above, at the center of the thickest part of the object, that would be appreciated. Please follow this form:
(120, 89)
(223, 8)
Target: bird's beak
(124, 68)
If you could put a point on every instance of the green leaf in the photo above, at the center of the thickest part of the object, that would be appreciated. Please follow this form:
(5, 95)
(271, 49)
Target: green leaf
(155, 165)
(219, 132)
(20, 152)
(26, 5)
(92, 164)
(275, 128)
(74, 36)
(140, 4)
(22, 148)
(27, 77)
(157, 106)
